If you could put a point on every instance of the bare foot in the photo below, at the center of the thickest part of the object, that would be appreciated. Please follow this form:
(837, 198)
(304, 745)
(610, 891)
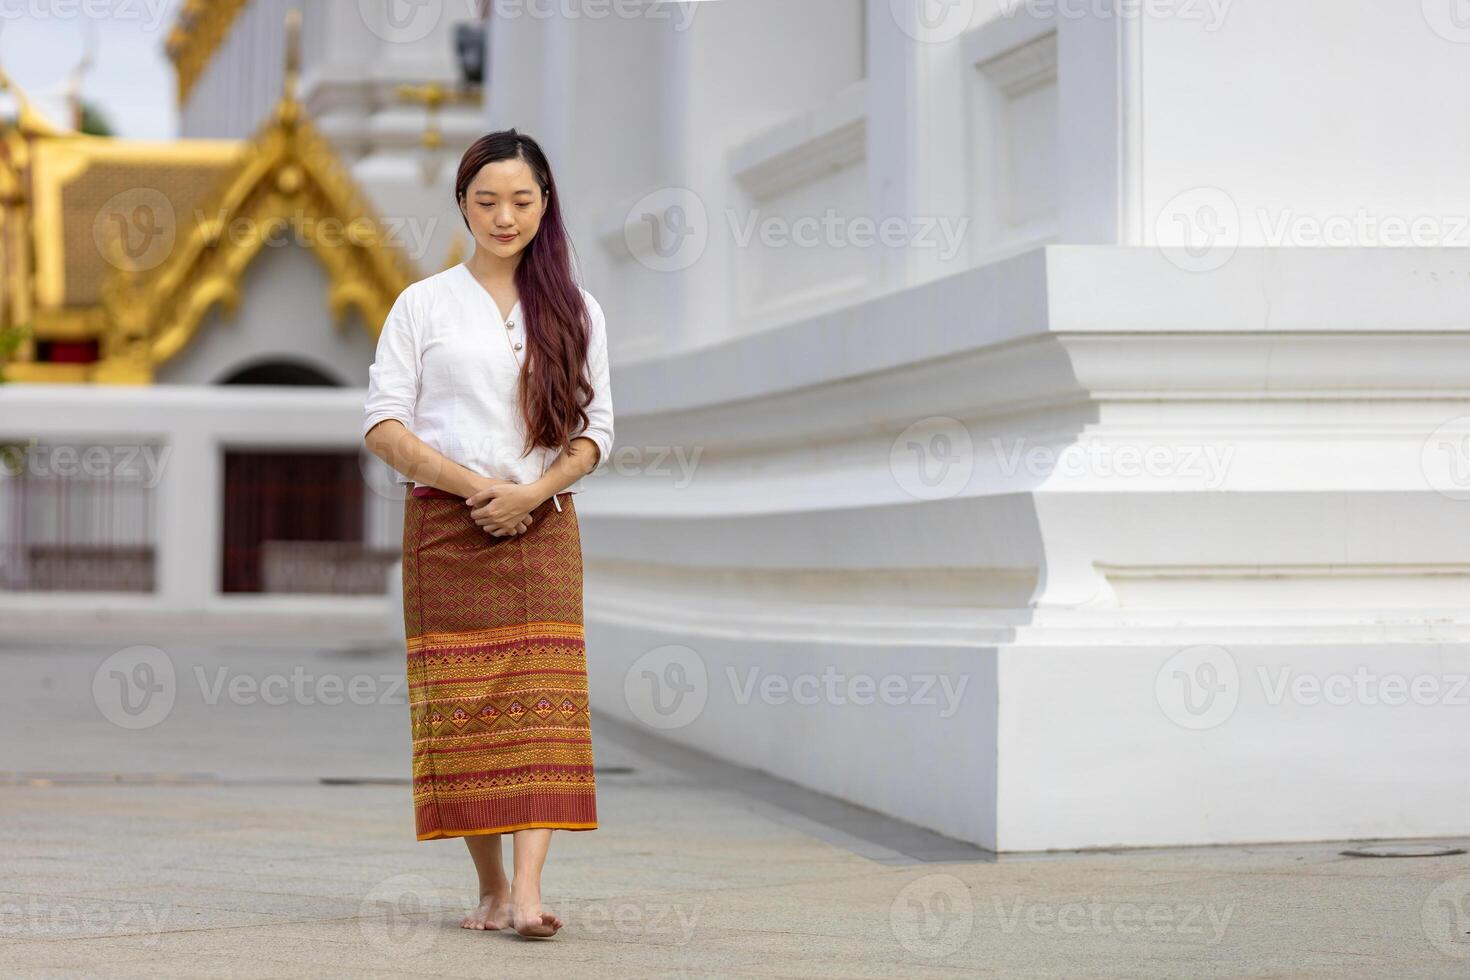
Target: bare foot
(533, 921)
(493, 912)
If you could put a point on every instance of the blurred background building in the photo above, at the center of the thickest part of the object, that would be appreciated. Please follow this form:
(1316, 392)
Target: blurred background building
(313, 182)
(1032, 417)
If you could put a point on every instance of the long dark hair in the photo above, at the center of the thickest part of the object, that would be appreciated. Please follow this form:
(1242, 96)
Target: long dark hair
(558, 324)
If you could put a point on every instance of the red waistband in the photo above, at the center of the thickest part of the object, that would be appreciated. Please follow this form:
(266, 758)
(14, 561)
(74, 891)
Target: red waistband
(435, 492)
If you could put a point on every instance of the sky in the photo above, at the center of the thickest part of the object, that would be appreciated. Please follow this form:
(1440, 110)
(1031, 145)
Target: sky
(131, 81)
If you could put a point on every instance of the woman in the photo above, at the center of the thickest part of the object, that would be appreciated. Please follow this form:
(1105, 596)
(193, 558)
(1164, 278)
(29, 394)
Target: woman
(495, 419)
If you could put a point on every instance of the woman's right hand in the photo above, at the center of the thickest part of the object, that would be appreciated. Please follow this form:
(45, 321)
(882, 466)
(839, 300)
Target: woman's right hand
(520, 528)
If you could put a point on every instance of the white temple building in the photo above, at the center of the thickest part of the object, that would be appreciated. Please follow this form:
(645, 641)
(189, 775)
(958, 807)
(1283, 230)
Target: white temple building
(1046, 422)
(1163, 470)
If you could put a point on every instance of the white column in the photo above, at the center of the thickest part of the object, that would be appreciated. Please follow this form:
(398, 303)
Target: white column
(917, 128)
(513, 73)
(1097, 122)
(190, 505)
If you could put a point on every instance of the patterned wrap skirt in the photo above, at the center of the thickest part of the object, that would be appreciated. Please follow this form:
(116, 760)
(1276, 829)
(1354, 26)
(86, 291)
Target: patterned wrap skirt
(497, 671)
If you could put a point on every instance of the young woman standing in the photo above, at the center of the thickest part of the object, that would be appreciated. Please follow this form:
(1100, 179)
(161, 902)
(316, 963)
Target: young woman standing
(495, 417)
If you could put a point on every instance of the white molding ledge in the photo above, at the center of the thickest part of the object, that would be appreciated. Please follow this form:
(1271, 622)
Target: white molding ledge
(1002, 38)
(802, 149)
(1103, 290)
(1024, 68)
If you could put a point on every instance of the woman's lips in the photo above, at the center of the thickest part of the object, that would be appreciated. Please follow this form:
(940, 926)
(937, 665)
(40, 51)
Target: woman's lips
(503, 238)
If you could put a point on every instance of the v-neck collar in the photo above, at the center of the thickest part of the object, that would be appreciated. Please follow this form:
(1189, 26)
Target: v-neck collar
(478, 287)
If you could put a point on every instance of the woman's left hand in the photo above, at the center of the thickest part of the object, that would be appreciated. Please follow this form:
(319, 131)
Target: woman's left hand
(502, 507)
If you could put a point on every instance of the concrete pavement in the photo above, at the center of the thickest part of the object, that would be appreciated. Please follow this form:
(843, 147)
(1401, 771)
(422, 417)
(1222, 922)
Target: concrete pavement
(260, 828)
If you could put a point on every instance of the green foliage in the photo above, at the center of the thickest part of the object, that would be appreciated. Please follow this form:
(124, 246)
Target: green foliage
(10, 338)
(12, 455)
(94, 123)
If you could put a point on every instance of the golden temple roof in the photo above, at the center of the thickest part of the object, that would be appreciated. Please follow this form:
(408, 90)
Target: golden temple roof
(132, 243)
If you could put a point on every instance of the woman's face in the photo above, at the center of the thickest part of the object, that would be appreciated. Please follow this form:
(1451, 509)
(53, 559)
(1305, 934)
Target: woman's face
(504, 205)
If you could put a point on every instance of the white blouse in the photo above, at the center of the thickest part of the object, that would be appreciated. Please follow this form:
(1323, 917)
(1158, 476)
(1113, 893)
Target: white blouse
(446, 367)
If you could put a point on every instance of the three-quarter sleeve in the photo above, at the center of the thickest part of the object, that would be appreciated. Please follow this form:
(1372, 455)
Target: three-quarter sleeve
(393, 380)
(599, 410)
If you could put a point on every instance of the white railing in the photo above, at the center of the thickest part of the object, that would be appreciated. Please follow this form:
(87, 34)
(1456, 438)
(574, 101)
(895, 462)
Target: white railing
(115, 498)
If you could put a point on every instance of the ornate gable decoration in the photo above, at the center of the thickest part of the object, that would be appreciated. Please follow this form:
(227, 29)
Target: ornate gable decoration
(288, 177)
(200, 29)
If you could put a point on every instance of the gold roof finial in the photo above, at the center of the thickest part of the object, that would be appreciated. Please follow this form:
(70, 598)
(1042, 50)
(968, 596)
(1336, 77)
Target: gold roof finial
(293, 51)
(289, 109)
(80, 69)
